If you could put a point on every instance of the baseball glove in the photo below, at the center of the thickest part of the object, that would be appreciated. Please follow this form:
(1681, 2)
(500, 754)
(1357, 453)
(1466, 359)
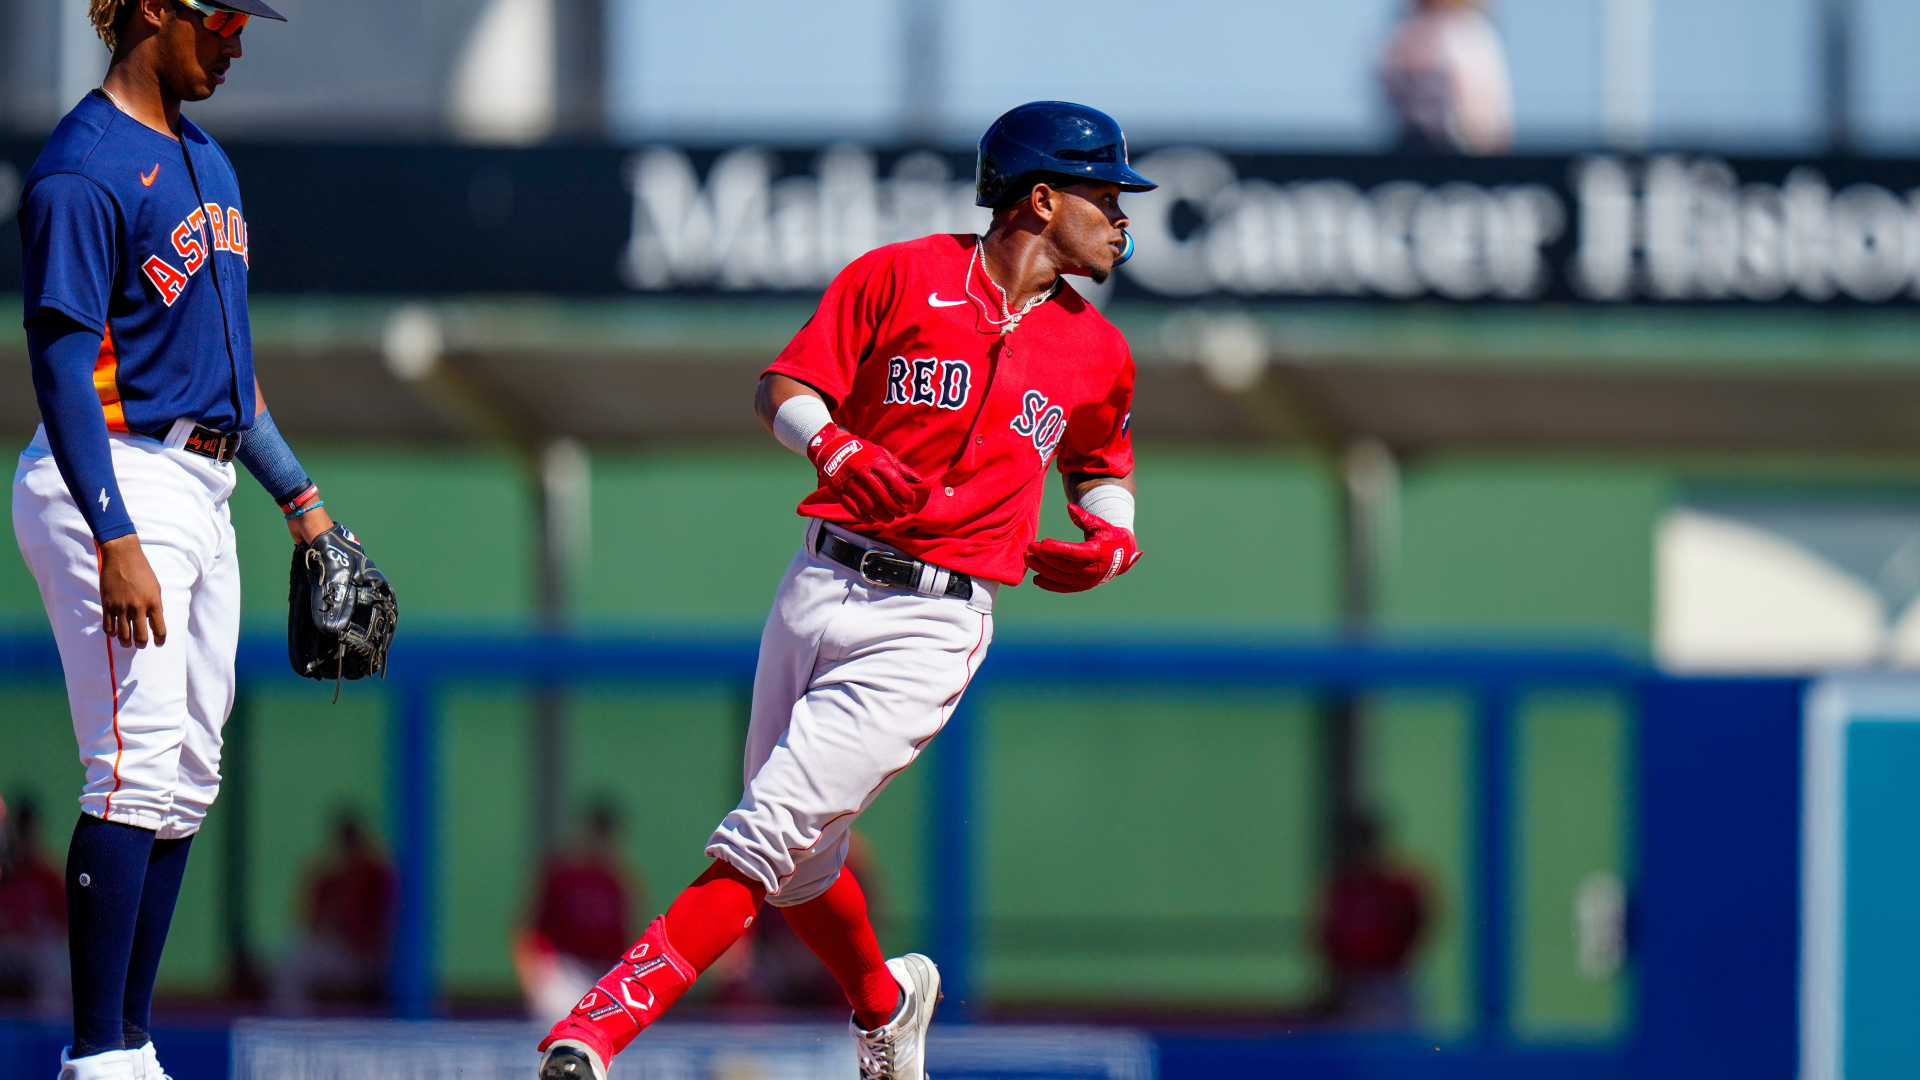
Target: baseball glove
(341, 613)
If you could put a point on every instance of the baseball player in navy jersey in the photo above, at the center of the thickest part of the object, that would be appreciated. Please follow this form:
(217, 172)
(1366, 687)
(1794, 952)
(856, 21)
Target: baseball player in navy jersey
(136, 256)
(932, 390)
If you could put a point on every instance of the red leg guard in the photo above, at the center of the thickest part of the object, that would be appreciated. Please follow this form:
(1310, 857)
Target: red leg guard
(646, 983)
(707, 917)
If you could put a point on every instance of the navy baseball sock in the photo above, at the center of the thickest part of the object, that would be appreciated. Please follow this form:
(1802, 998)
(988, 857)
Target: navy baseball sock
(166, 865)
(106, 872)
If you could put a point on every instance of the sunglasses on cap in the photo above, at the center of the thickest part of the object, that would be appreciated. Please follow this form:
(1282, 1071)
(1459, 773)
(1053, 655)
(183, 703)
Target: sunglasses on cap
(219, 21)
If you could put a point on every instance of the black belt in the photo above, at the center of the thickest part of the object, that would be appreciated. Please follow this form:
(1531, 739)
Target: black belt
(206, 442)
(888, 567)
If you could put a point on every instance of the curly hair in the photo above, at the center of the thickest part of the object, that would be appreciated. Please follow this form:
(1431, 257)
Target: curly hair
(107, 17)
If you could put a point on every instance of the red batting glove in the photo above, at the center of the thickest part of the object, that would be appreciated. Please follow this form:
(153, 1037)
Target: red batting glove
(866, 476)
(1062, 567)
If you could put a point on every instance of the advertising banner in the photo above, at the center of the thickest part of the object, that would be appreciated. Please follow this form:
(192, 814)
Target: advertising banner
(598, 220)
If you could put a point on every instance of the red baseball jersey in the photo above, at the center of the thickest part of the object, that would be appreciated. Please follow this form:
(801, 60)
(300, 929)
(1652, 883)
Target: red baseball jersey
(907, 349)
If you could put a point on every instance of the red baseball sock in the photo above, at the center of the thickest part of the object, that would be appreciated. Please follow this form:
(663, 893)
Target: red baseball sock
(710, 915)
(835, 926)
(707, 917)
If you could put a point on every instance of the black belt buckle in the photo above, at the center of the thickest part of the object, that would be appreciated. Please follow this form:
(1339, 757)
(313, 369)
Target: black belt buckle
(889, 569)
(880, 559)
(209, 443)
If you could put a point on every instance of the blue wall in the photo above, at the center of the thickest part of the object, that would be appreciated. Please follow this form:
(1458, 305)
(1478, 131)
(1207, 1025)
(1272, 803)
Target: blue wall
(1716, 907)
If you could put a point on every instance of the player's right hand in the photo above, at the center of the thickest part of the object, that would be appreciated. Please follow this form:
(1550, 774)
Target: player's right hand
(130, 594)
(873, 483)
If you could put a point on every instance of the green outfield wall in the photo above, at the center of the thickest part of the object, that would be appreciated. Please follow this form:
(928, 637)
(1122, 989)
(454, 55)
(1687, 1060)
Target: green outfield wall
(1138, 849)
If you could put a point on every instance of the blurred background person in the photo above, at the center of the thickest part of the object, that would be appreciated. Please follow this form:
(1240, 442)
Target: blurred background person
(1445, 73)
(33, 917)
(1371, 919)
(581, 918)
(341, 957)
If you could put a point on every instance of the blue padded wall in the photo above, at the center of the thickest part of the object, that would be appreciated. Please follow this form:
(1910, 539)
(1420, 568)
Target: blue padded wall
(1715, 914)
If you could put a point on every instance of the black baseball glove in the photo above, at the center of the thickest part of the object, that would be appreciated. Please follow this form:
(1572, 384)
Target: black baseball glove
(341, 614)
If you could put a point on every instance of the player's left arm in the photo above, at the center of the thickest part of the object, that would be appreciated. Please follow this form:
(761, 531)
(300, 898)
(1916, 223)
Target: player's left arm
(1080, 484)
(343, 612)
(1102, 507)
(265, 453)
(1096, 466)
(1109, 498)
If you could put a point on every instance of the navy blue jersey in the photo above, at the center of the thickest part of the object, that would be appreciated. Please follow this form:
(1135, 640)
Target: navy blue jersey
(141, 238)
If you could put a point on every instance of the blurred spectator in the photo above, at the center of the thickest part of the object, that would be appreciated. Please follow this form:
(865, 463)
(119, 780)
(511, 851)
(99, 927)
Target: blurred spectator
(33, 917)
(580, 919)
(352, 897)
(1446, 74)
(1370, 921)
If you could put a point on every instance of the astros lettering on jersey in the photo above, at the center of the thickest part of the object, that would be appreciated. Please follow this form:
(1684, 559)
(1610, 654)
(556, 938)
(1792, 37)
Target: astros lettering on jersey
(147, 228)
(186, 237)
(907, 349)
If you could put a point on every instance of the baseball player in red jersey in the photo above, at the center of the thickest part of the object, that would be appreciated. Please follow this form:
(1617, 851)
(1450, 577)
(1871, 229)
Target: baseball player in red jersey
(932, 389)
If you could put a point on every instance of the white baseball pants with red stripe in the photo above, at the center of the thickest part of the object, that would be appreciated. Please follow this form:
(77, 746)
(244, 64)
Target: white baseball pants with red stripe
(147, 720)
(854, 680)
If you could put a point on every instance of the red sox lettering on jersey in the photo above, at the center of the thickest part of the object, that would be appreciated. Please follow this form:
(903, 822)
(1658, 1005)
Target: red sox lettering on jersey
(1042, 422)
(944, 384)
(978, 413)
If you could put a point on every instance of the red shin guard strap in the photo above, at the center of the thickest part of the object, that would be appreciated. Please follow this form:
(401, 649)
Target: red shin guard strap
(835, 926)
(644, 984)
(704, 920)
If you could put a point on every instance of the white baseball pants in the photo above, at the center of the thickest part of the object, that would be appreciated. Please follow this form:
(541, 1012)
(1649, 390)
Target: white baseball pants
(853, 681)
(147, 720)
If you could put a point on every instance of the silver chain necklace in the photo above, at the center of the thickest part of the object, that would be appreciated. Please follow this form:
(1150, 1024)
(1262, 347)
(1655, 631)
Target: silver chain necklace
(1009, 319)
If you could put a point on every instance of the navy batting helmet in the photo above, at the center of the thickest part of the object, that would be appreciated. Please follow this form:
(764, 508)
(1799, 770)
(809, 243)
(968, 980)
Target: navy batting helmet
(1052, 137)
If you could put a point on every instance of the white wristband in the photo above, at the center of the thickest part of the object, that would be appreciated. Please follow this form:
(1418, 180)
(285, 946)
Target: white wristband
(1110, 502)
(798, 420)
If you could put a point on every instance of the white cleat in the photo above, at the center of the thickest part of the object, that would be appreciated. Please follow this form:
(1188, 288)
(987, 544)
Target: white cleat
(112, 1065)
(897, 1049)
(150, 1061)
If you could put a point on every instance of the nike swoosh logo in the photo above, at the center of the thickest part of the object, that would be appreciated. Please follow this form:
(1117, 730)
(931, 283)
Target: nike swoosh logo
(933, 300)
(146, 179)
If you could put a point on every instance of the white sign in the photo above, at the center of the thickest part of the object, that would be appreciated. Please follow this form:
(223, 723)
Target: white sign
(1661, 229)
(746, 229)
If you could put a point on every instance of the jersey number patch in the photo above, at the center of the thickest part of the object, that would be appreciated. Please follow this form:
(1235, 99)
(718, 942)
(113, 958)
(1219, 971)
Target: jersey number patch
(943, 384)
